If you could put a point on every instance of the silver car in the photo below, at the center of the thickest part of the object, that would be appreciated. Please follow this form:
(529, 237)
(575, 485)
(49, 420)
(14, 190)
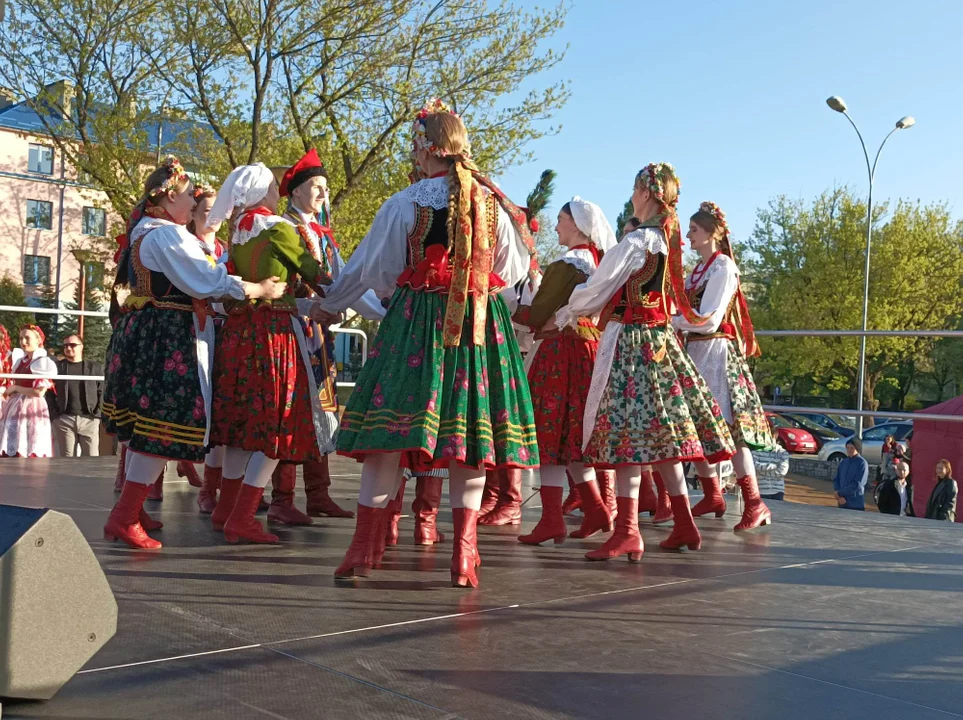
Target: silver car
(872, 442)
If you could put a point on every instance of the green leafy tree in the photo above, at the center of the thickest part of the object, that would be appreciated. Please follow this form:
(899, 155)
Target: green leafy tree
(805, 266)
(628, 212)
(537, 202)
(11, 293)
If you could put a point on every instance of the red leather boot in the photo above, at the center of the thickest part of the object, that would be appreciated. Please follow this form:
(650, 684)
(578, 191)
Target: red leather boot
(317, 481)
(230, 488)
(508, 510)
(573, 502)
(464, 556)
(684, 531)
(147, 522)
(123, 522)
(491, 494)
(241, 523)
(357, 560)
(187, 470)
(712, 500)
(156, 490)
(282, 508)
(755, 514)
(663, 513)
(121, 471)
(626, 540)
(207, 497)
(394, 514)
(606, 480)
(595, 516)
(649, 501)
(551, 526)
(425, 509)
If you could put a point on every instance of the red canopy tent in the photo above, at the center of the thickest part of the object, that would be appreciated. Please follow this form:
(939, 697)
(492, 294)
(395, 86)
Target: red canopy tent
(934, 440)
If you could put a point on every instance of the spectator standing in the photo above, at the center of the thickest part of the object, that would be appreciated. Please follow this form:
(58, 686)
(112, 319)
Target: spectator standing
(771, 469)
(24, 418)
(78, 402)
(894, 497)
(942, 502)
(851, 476)
(5, 364)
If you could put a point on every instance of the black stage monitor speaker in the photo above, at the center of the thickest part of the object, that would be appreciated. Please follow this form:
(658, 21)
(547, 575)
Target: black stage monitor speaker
(56, 608)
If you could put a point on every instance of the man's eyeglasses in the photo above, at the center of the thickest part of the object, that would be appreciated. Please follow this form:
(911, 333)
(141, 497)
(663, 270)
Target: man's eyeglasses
(72, 345)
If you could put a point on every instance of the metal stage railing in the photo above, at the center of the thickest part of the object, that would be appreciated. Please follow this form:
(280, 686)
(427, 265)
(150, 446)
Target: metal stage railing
(100, 314)
(761, 333)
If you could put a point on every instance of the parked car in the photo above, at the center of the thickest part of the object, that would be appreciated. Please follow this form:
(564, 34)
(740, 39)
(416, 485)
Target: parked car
(873, 438)
(789, 436)
(822, 435)
(842, 425)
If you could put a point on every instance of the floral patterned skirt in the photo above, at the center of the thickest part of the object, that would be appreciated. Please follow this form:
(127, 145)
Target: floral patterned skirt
(469, 404)
(262, 397)
(559, 380)
(25, 429)
(655, 406)
(749, 425)
(152, 389)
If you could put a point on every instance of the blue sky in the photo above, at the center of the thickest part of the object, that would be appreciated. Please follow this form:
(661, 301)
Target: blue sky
(733, 94)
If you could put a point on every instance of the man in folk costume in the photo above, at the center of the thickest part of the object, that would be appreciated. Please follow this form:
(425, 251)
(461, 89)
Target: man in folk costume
(305, 184)
(444, 385)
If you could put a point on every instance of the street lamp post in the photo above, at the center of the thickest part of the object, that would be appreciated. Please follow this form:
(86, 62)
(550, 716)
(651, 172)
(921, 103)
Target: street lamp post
(839, 105)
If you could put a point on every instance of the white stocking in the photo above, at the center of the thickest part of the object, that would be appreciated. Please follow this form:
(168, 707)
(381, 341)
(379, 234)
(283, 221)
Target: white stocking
(628, 480)
(235, 463)
(673, 478)
(215, 457)
(379, 479)
(144, 469)
(706, 470)
(581, 473)
(552, 476)
(742, 462)
(259, 470)
(465, 487)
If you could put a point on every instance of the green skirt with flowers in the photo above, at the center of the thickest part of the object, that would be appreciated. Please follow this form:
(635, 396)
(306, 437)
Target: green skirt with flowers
(468, 404)
(655, 406)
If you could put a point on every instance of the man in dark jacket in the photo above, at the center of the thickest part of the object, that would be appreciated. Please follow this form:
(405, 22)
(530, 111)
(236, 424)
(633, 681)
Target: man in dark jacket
(78, 401)
(851, 476)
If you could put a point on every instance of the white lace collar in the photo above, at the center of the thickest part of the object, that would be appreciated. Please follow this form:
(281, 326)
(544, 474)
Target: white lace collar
(648, 239)
(432, 193)
(146, 224)
(260, 224)
(581, 259)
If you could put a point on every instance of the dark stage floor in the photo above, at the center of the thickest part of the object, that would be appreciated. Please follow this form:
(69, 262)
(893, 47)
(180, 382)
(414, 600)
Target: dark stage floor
(827, 614)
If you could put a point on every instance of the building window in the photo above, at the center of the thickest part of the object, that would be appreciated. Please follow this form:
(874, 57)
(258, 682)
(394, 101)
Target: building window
(95, 274)
(41, 159)
(95, 221)
(36, 270)
(39, 214)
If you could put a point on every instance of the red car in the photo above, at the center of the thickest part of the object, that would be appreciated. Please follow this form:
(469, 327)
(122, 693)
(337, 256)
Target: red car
(791, 437)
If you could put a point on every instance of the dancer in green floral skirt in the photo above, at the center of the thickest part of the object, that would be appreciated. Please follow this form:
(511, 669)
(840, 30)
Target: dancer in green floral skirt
(444, 384)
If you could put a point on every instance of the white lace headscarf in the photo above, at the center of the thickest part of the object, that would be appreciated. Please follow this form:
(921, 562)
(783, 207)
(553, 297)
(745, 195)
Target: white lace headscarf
(590, 219)
(242, 188)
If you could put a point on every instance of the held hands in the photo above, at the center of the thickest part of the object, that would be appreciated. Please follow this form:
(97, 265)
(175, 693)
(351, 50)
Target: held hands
(270, 289)
(322, 317)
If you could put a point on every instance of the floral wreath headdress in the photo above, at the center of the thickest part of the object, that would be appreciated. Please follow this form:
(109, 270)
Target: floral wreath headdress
(652, 175)
(175, 173)
(419, 135)
(202, 189)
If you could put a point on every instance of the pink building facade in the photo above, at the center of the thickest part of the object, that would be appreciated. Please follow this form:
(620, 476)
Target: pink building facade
(46, 209)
